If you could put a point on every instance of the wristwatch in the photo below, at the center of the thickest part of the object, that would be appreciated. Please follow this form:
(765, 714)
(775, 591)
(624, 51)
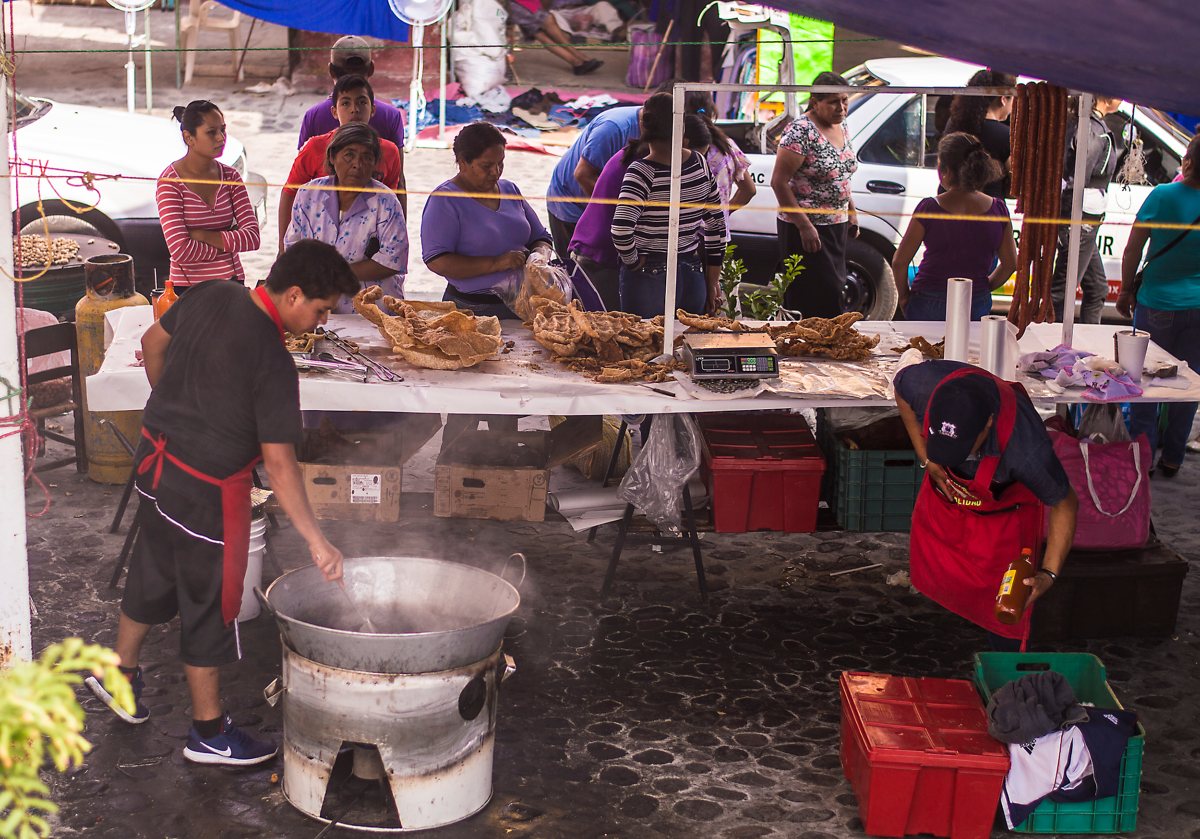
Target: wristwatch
(1053, 577)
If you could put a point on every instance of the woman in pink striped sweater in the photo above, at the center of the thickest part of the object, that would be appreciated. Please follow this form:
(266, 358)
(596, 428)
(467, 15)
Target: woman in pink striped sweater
(206, 215)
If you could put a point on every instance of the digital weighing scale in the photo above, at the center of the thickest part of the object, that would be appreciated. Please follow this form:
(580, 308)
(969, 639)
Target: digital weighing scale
(730, 355)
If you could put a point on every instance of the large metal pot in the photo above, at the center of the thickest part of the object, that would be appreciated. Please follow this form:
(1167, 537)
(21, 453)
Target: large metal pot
(429, 615)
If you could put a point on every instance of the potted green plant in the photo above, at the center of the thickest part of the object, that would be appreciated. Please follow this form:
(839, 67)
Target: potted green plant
(40, 722)
(750, 301)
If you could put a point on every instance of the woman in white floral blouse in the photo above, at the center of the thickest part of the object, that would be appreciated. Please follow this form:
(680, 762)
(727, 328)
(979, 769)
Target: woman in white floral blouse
(811, 181)
(355, 213)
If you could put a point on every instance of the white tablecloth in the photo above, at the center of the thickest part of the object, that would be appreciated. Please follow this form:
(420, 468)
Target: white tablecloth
(526, 381)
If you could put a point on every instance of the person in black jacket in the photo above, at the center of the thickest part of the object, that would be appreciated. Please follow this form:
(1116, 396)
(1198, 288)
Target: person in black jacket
(1103, 152)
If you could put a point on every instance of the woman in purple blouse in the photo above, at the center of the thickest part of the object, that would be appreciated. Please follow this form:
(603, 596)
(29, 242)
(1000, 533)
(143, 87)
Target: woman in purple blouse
(982, 250)
(480, 240)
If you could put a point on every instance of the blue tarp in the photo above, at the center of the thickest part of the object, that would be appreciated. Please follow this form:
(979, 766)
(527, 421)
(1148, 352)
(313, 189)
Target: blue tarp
(1140, 50)
(337, 17)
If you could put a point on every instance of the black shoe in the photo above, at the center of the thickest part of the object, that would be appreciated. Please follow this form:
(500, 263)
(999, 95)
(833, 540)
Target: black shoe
(589, 66)
(1167, 470)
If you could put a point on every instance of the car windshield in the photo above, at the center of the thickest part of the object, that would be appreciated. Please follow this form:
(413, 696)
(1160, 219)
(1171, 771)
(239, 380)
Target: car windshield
(1168, 122)
(863, 78)
(28, 110)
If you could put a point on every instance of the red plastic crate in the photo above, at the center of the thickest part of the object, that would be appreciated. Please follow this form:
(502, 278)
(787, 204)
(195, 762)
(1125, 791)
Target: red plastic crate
(919, 757)
(763, 472)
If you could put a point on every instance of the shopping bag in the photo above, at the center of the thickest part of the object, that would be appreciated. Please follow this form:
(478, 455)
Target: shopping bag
(1112, 481)
(644, 44)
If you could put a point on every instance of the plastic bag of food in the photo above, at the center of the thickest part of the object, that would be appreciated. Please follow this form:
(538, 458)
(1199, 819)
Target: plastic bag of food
(654, 484)
(542, 278)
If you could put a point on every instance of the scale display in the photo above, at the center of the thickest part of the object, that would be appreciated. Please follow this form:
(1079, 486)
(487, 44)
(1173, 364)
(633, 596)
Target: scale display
(730, 356)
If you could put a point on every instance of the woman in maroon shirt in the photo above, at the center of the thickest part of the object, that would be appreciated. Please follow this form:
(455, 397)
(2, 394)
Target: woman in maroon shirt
(957, 247)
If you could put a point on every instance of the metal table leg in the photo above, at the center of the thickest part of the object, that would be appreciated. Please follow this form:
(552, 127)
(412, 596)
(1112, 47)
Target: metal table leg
(612, 467)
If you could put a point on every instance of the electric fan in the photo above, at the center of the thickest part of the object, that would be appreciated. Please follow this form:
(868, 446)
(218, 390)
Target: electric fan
(131, 8)
(418, 14)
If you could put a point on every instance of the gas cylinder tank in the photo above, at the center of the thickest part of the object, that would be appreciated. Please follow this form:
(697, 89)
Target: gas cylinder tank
(108, 280)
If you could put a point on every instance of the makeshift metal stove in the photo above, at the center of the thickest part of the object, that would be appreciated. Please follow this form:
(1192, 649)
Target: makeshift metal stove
(391, 730)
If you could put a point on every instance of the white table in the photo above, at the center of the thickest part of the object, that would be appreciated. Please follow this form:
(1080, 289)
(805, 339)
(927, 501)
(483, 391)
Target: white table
(526, 381)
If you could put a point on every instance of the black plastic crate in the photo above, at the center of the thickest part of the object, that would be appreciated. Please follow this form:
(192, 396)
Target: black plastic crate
(1107, 595)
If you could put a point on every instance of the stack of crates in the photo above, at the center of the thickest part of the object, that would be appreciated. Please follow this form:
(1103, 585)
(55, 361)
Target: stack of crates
(918, 754)
(871, 490)
(1087, 677)
(763, 472)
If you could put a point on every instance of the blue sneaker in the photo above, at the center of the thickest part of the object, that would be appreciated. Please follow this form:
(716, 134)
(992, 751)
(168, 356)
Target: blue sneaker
(140, 713)
(232, 747)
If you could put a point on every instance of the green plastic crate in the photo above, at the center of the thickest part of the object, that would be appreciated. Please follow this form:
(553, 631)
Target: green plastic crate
(876, 490)
(1086, 675)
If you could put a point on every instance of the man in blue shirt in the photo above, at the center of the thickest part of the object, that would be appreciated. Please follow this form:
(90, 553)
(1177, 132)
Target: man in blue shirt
(577, 170)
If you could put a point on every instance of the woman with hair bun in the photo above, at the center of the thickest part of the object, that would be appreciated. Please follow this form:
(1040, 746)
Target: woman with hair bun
(983, 117)
(206, 215)
(954, 246)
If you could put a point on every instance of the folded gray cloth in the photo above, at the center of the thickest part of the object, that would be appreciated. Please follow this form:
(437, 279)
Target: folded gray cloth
(1032, 706)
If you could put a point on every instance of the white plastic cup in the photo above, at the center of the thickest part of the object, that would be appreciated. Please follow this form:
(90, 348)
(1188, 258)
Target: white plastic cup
(1131, 352)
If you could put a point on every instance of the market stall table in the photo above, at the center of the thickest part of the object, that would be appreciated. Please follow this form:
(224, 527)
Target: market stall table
(526, 381)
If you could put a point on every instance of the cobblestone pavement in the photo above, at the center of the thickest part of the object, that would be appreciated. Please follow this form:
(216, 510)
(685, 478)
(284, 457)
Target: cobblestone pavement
(648, 713)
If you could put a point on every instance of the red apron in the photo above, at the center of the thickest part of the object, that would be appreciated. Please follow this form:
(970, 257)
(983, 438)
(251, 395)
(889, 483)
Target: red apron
(235, 517)
(959, 550)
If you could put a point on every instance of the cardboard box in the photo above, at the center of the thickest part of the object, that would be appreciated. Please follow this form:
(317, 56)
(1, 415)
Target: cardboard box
(361, 483)
(504, 475)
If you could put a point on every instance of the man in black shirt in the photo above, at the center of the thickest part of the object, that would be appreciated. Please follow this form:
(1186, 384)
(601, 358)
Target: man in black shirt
(225, 396)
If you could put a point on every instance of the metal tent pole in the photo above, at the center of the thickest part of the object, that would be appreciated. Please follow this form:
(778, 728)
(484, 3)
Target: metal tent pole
(442, 78)
(15, 637)
(1082, 134)
(673, 220)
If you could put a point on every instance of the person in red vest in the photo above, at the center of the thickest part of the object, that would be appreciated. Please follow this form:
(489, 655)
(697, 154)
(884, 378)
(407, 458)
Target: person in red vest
(353, 101)
(991, 472)
(225, 396)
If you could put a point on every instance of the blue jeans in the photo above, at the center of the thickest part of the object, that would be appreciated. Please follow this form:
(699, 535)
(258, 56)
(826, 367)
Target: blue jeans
(643, 290)
(924, 306)
(1177, 332)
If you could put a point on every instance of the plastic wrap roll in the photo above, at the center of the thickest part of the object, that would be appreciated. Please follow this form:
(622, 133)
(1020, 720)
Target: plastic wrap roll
(958, 318)
(998, 346)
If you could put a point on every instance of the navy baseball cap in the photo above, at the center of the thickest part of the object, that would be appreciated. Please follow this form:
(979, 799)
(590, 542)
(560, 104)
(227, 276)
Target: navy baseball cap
(958, 412)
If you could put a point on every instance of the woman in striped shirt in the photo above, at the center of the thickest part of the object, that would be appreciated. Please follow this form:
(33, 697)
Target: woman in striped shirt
(206, 215)
(639, 227)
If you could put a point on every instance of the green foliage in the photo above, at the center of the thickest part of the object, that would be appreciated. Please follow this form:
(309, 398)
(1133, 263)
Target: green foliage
(758, 302)
(39, 719)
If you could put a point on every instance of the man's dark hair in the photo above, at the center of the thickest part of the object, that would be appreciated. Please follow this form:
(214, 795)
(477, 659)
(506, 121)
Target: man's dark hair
(316, 268)
(475, 139)
(352, 81)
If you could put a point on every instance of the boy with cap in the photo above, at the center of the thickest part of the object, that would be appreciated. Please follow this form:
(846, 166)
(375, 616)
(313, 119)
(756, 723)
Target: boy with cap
(991, 473)
(351, 54)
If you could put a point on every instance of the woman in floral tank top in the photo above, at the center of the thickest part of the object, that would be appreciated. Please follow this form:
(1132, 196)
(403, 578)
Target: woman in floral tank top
(813, 167)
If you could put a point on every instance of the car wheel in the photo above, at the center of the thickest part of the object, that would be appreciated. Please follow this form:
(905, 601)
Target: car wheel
(62, 218)
(869, 286)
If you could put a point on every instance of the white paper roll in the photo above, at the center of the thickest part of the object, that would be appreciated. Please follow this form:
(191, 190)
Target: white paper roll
(998, 346)
(958, 318)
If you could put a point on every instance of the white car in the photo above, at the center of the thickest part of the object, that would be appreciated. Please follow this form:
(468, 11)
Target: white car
(896, 143)
(54, 140)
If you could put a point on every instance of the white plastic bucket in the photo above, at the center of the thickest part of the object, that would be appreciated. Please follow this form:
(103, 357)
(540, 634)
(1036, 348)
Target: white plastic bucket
(258, 544)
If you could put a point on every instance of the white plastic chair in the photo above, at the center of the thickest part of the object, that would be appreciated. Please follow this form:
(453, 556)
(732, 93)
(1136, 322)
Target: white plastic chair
(201, 15)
